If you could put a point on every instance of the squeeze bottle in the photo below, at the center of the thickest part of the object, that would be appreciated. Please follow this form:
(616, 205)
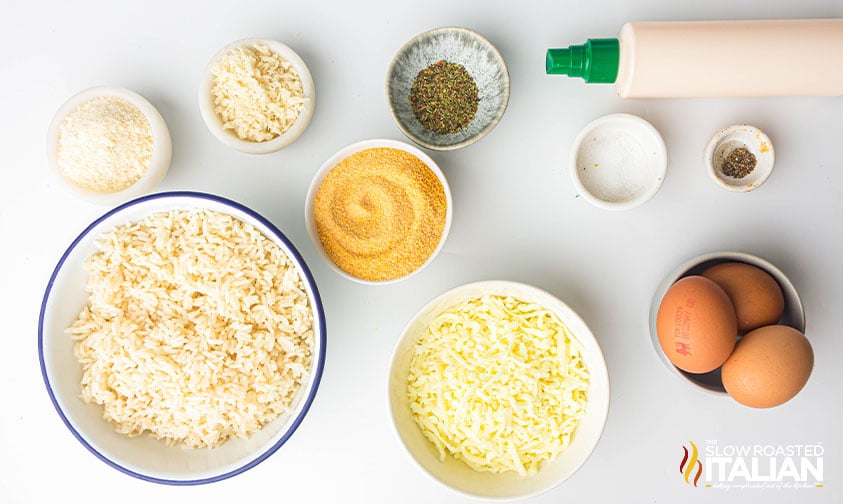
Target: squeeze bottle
(712, 59)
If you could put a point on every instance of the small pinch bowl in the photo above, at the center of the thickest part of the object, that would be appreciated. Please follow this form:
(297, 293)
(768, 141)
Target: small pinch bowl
(734, 137)
(229, 137)
(793, 316)
(162, 147)
(618, 162)
(456, 45)
(145, 457)
(455, 474)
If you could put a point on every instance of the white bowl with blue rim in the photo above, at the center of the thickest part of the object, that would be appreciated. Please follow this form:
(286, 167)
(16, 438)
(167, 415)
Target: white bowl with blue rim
(145, 457)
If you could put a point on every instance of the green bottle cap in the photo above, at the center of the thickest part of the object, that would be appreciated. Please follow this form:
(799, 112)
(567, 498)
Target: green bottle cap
(595, 61)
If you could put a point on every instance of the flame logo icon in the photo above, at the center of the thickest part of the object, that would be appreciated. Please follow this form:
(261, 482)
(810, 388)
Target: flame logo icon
(686, 467)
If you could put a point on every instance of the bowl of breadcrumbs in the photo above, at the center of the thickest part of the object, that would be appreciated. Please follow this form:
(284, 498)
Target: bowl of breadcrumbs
(257, 96)
(378, 211)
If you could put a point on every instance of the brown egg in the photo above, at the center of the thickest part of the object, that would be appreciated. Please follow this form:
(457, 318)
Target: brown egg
(769, 366)
(696, 325)
(756, 295)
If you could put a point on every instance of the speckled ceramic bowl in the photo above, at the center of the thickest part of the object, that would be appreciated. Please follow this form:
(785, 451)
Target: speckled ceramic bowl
(456, 45)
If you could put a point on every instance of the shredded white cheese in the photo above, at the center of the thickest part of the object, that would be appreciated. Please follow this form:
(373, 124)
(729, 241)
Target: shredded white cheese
(257, 93)
(499, 384)
(104, 145)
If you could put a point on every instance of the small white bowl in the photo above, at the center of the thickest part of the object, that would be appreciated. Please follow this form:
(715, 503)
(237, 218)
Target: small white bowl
(734, 137)
(454, 473)
(618, 162)
(230, 138)
(793, 316)
(309, 212)
(162, 147)
(458, 45)
(145, 457)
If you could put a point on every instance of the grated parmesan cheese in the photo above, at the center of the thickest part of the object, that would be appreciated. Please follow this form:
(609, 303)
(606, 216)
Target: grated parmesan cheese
(105, 145)
(499, 384)
(257, 93)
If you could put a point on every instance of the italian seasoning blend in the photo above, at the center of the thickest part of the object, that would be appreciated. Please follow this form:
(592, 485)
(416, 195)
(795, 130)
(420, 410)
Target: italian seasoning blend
(444, 97)
(380, 214)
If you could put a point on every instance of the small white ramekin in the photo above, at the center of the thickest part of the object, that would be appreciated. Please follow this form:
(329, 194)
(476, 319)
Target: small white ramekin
(618, 162)
(734, 137)
(230, 138)
(162, 147)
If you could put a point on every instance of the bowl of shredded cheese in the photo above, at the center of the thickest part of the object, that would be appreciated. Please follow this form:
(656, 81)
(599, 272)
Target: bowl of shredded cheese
(181, 338)
(108, 145)
(498, 390)
(257, 96)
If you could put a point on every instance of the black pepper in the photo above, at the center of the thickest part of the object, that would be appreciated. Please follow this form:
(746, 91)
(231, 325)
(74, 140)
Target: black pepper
(739, 163)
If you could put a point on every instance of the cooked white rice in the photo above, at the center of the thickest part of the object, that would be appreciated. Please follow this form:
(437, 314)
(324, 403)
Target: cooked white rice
(197, 328)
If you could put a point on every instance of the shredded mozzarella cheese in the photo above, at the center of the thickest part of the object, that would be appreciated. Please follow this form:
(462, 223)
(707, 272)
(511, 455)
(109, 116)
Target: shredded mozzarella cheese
(499, 384)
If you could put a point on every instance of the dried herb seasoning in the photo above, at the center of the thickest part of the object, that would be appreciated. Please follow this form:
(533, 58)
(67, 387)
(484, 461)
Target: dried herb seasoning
(739, 163)
(444, 97)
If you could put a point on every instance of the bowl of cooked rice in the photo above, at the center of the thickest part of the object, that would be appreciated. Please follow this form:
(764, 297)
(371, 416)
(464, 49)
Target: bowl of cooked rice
(181, 338)
(498, 390)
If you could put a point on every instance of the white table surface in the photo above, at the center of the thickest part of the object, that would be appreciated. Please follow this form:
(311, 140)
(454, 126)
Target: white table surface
(516, 216)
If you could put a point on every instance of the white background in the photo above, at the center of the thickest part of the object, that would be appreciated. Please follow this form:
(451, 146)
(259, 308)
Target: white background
(516, 216)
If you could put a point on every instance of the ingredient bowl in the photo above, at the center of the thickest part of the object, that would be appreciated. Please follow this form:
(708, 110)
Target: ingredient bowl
(456, 474)
(456, 46)
(794, 314)
(89, 141)
(618, 162)
(726, 142)
(144, 456)
(367, 236)
(245, 103)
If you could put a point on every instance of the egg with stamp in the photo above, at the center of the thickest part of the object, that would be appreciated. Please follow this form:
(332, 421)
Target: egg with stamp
(755, 294)
(696, 324)
(768, 367)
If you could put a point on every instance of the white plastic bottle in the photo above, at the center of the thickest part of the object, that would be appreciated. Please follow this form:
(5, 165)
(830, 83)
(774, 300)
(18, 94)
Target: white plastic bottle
(712, 59)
